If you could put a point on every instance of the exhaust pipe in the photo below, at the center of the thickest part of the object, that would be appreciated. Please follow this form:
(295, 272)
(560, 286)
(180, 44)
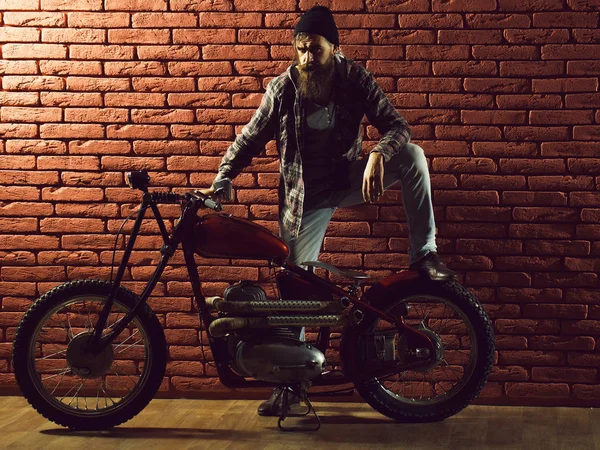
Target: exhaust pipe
(219, 304)
(220, 327)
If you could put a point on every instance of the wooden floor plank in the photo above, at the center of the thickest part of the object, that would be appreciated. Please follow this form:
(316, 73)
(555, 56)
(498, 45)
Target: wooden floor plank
(234, 425)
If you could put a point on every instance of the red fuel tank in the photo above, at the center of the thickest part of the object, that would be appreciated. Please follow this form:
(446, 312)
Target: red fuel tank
(225, 236)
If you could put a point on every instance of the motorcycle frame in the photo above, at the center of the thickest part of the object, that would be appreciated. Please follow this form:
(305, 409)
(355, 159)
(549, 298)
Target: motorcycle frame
(183, 233)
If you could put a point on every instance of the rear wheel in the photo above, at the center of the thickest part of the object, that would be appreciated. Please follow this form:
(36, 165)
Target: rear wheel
(72, 387)
(452, 378)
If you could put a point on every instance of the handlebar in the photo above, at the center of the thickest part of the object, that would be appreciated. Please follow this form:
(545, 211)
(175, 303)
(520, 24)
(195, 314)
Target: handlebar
(172, 197)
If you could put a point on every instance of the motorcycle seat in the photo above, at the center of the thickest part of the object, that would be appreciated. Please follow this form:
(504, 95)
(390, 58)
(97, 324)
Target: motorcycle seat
(353, 274)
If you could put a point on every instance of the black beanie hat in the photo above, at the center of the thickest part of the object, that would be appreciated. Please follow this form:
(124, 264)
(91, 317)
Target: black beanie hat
(318, 20)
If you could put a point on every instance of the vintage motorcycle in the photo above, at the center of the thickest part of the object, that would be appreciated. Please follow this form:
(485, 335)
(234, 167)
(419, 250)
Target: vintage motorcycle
(91, 354)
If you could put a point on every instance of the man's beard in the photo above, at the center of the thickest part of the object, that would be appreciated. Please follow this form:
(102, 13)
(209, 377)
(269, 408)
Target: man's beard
(314, 81)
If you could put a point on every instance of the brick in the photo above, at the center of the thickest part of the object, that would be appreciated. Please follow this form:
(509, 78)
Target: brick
(19, 193)
(584, 166)
(528, 68)
(139, 36)
(537, 390)
(264, 5)
(561, 343)
(94, 147)
(488, 246)
(569, 51)
(54, 67)
(234, 52)
(565, 19)
(533, 166)
(496, 20)
(134, 99)
(586, 36)
(434, 21)
(511, 149)
(398, 37)
(582, 100)
(91, 179)
(47, 51)
(68, 162)
(8, 67)
(463, 68)
(566, 85)
(85, 5)
(136, 163)
(40, 273)
(72, 194)
(9, 34)
(233, 20)
(562, 183)
(135, 5)
(543, 231)
(17, 225)
(19, 114)
(531, 101)
(529, 5)
(534, 198)
(466, 198)
(67, 258)
(380, 6)
(545, 215)
(98, 20)
(161, 116)
(207, 132)
(158, 84)
(506, 52)
(97, 84)
(100, 52)
(481, 133)
(19, 4)
(584, 198)
(478, 214)
(28, 242)
(561, 117)
(110, 115)
(493, 117)
(102, 210)
(71, 225)
(266, 36)
(416, 84)
(136, 131)
(462, 6)
(589, 133)
(463, 101)
(133, 68)
(557, 247)
(165, 147)
(582, 265)
(516, 133)
(437, 52)
(464, 165)
(583, 67)
(70, 99)
(68, 35)
(71, 131)
(545, 36)
(469, 37)
(169, 52)
(163, 20)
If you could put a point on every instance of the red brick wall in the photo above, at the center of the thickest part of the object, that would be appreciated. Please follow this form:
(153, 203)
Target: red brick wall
(502, 95)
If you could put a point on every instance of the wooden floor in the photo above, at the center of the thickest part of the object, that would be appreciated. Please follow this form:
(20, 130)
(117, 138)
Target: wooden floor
(233, 424)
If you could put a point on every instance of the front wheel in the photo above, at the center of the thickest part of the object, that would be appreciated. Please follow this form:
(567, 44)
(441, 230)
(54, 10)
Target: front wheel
(72, 387)
(452, 378)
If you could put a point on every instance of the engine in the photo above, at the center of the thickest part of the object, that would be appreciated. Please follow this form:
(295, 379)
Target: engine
(270, 354)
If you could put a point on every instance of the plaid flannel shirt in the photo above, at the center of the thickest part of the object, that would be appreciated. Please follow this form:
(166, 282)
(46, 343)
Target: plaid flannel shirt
(281, 115)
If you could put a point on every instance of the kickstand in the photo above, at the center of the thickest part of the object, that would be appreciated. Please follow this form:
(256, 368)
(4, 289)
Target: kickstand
(285, 410)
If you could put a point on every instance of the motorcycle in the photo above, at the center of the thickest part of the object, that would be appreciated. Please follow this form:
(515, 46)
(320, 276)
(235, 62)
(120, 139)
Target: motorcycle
(91, 354)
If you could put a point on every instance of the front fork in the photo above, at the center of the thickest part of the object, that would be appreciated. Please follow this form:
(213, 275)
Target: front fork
(97, 342)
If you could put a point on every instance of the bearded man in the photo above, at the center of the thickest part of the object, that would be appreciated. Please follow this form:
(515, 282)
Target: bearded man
(315, 110)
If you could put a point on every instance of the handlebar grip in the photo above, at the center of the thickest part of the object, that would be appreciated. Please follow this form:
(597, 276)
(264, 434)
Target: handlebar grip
(209, 203)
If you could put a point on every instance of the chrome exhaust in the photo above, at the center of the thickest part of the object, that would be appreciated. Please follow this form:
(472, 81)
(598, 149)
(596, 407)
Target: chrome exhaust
(220, 327)
(219, 304)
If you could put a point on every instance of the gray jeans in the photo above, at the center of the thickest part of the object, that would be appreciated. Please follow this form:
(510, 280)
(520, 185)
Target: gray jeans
(409, 167)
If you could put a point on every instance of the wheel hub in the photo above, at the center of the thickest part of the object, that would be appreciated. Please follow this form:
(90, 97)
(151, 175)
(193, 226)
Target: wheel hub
(432, 361)
(84, 363)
